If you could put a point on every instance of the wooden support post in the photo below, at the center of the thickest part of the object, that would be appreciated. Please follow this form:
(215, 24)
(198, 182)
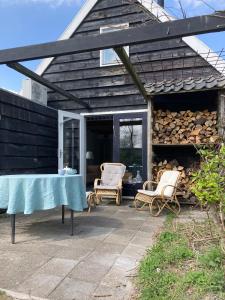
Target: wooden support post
(221, 113)
(149, 139)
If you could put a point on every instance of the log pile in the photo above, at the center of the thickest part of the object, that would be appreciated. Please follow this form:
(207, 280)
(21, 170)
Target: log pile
(185, 127)
(186, 173)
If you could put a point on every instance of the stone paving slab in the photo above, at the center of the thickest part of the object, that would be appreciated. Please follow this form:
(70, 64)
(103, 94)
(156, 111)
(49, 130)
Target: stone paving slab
(96, 263)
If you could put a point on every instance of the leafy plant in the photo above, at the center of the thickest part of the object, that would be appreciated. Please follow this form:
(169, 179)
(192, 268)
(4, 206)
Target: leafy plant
(209, 181)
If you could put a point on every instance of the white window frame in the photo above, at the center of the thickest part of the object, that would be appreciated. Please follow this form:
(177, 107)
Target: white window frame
(82, 144)
(127, 49)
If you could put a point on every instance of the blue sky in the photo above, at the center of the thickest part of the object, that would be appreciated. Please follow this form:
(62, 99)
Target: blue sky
(24, 22)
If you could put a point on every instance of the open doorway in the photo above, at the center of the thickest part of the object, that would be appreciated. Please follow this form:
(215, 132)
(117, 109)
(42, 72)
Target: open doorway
(99, 146)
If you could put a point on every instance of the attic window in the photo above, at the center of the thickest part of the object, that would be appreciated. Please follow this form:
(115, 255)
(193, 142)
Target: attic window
(108, 57)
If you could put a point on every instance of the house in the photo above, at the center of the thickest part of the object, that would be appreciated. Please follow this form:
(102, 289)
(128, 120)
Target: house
(114, 120)
(118, 123)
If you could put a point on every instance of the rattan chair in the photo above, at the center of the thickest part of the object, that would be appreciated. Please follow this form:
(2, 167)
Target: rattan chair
(164, 196)
(110, 184)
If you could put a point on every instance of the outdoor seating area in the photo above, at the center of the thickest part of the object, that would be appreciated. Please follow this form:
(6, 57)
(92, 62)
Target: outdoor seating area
(29, 193)
(112, 151)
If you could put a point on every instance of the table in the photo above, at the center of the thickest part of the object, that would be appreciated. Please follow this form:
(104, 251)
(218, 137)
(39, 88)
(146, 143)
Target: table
(28, 193)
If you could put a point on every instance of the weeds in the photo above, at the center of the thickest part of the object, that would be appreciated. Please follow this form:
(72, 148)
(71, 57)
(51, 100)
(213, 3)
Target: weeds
(173, 269)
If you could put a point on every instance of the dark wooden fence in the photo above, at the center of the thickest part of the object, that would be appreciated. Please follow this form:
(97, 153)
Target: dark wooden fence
(28, 136)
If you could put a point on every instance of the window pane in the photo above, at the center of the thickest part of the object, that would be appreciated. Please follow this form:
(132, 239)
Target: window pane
(131, 145)
(110, 57)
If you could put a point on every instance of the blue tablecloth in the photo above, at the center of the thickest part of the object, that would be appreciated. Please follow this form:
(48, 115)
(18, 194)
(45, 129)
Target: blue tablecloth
(27, 193)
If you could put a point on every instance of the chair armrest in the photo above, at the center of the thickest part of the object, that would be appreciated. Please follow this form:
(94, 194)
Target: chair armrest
(96, 182)
(166, 186)
(148, 182)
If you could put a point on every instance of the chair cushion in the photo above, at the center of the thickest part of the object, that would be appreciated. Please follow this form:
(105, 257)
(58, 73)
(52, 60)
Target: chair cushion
(106, 187)
(112, 174)
(149, 193)
(167, 178)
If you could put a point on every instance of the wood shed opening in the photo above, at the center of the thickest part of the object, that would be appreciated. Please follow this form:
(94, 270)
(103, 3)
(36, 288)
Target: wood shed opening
(182, 122)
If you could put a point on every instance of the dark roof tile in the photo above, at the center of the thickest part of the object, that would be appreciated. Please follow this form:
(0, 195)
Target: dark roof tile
(189, 84)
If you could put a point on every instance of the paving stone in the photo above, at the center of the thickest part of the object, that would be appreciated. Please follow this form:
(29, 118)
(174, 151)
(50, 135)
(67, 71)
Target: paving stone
(120, 292)
(116, 276)
(134, 251)
(58, 267)
(40, 285)
(105, 259)
(120, 236)
(92, 232)
(110, 248)
(89, 271)
(142, 241)
(126, 263)
(76, 253)
(16, 267)
(73, 289)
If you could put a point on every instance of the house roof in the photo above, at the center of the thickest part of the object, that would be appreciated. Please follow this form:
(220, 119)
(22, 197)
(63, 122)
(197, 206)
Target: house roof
(197, 45)
(185, 85)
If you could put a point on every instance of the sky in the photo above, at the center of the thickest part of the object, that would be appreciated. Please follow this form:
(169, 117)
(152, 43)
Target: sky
(26, 22)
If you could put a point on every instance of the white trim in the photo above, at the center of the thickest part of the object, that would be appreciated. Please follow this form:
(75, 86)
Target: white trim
(69, 31)
(113, 112)
(192, 41)
(82, 151)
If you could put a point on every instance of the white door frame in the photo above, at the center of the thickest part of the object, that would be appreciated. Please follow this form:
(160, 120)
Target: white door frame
(82, 128)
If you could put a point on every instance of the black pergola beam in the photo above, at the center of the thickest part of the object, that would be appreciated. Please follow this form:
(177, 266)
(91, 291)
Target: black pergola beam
(131, 70)
(131, 36)
(25, 71)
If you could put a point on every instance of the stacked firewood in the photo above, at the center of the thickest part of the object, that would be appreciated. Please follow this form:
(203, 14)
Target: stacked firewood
(185, 127)
(186, 173)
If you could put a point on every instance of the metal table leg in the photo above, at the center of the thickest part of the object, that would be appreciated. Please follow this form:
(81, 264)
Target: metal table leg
(72, 222)
(63, 213)
(13, 227)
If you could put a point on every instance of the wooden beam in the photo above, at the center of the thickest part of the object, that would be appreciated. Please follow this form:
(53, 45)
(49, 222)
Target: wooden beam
(221, 113)
(149, 140)
(131, 36)
(25, 71)
(131, 70)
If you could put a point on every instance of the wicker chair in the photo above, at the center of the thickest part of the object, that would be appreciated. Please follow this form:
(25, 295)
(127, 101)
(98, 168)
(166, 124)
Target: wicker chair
(110, 184)
(164, 196)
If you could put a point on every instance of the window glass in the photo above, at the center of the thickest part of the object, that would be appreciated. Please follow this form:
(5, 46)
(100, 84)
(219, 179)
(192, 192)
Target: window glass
(131, 145)
(108, 56)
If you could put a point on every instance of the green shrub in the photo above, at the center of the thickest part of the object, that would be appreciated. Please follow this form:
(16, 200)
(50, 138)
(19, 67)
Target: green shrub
(208, 183)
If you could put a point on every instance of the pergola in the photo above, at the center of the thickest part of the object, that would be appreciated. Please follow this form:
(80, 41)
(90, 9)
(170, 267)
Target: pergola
(116, 40)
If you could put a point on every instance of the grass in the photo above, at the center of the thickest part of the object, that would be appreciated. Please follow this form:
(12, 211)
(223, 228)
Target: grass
(174, 269)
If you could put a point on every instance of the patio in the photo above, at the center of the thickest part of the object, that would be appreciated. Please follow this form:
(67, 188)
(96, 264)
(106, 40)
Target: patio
(96, 263)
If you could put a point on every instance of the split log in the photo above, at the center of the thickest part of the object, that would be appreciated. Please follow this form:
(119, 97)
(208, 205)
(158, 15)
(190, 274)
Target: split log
(185, 127)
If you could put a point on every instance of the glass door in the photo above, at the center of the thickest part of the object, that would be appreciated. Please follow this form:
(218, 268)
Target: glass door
(72, 142)
(130, 143)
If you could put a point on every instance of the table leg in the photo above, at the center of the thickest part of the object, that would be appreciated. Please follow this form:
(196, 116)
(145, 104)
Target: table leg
(63, 213)
(13, 227)
(72, 222)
